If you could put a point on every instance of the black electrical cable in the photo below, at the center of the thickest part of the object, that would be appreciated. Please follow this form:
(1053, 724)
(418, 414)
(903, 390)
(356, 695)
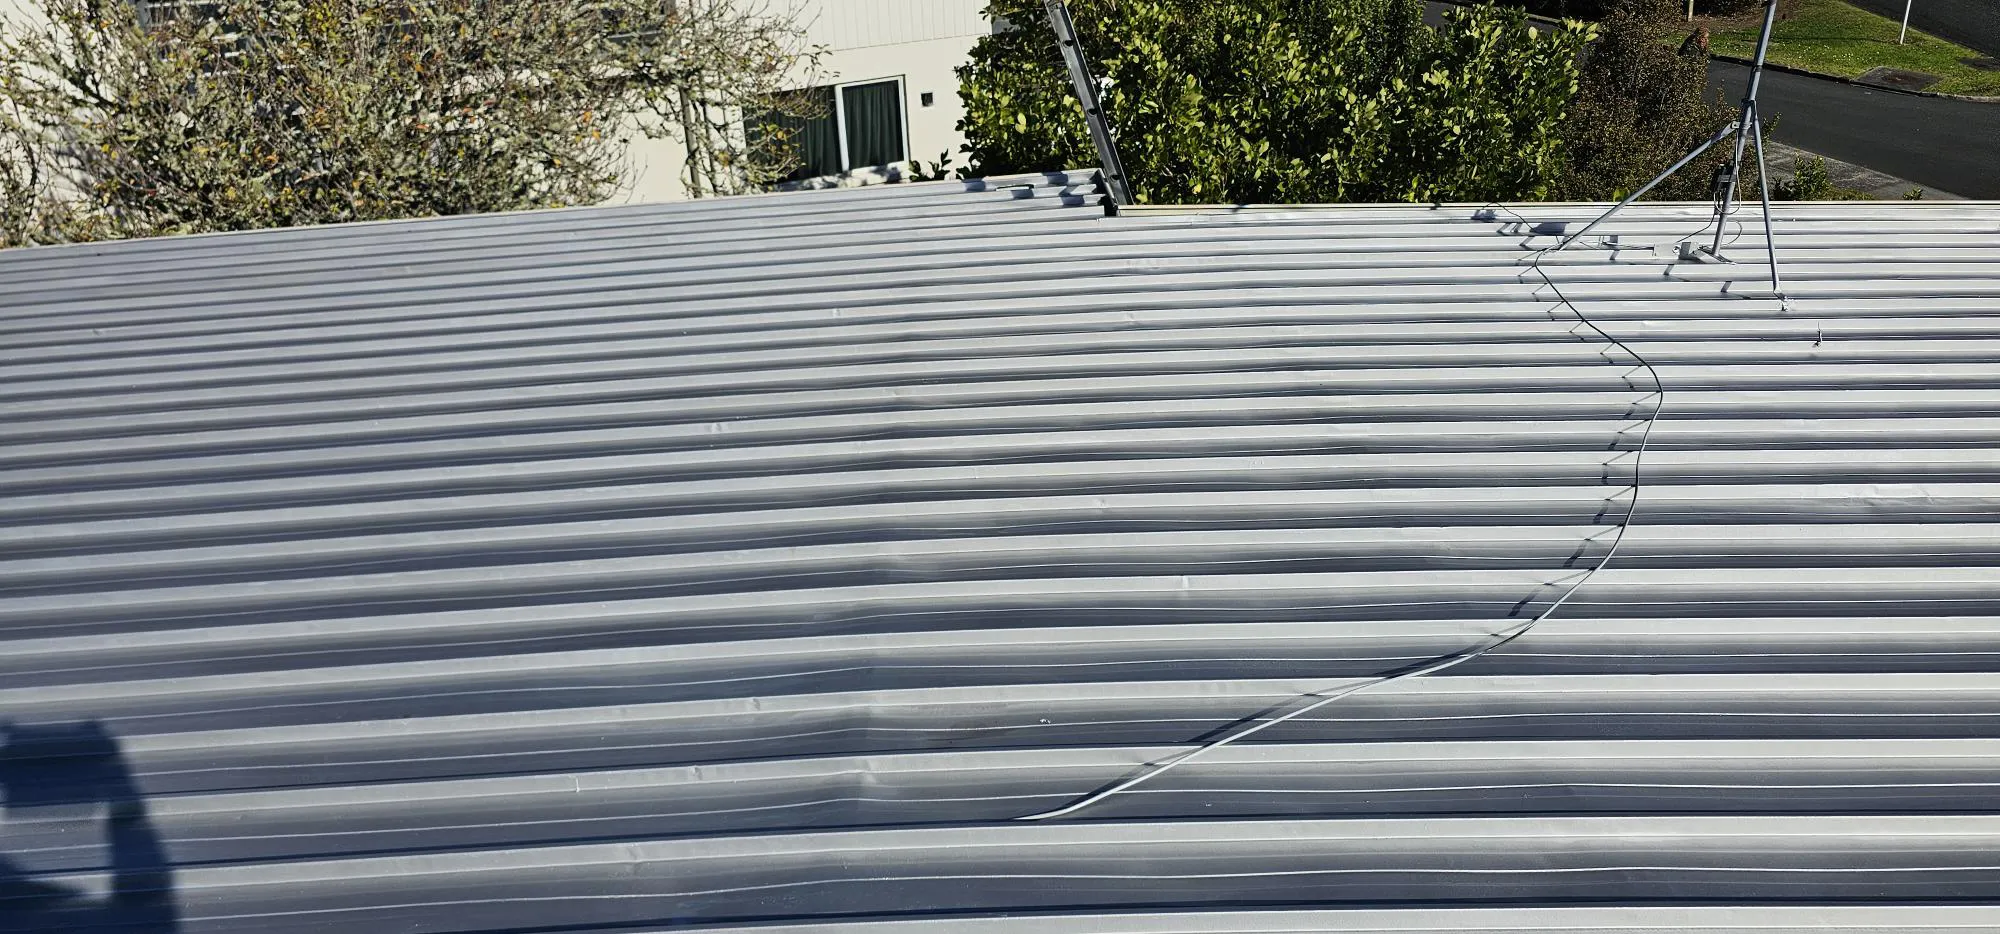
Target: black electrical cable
(1492, 643)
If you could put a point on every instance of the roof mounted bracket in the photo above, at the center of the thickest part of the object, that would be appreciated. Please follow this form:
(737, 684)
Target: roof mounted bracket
(1748, 129)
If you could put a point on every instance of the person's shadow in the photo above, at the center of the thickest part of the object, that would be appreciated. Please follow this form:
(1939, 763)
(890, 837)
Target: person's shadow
(77, 766)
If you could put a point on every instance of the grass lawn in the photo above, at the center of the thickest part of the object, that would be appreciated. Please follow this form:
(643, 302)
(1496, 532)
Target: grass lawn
(1831, 37)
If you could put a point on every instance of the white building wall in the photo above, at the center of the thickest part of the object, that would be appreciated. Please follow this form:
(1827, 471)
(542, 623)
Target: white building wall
(861, 24)
(920, 41)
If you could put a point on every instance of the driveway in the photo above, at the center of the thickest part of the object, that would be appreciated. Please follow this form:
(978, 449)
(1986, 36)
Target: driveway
(1950, 145)
(1974, 24)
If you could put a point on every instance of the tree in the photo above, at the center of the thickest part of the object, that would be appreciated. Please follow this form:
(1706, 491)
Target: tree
(1642, 105)
(707, 65)
(1282, 100)
(120, 119)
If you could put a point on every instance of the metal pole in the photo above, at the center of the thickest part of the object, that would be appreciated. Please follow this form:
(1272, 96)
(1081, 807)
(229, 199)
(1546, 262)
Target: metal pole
(1093, 107)
(1764, 183)
(1649, 186)
(1903, 37)
(1744, 126)
(1750, 122)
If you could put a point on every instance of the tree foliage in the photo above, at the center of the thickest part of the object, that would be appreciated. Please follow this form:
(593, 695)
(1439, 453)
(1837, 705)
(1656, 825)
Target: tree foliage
(121, 119)
(1282, 100)
(1596, 9)
(1643, 104)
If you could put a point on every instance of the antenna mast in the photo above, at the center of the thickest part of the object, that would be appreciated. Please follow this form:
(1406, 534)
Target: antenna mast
(1749, 129)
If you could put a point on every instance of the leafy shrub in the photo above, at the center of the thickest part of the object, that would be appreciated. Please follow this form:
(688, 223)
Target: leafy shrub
(1283, 100)
(1643, 104)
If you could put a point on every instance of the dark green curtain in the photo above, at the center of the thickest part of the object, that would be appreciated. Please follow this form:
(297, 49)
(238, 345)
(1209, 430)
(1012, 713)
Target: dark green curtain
(817, 139)
(874, 124)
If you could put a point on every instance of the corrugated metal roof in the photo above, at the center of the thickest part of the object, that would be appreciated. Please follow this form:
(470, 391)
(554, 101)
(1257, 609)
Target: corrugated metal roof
(751, 564)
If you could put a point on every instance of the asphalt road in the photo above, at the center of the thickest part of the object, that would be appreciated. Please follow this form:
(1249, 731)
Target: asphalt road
(1974, 24)
(1950, 145)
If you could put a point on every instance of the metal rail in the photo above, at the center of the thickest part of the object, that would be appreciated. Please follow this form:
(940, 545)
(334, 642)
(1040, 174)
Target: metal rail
(1115, 183)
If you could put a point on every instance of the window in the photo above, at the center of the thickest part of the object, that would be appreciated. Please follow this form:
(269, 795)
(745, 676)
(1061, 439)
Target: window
(816, 138)
(158, 12)
(859, 126)
(871, 117)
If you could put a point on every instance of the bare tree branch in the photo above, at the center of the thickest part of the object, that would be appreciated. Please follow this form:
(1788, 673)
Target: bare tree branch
(119, 120)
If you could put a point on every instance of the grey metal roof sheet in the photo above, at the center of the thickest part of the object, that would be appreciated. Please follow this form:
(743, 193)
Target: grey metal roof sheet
(750, 565)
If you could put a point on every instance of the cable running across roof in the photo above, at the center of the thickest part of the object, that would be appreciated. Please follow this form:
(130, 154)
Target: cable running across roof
(1434, 666)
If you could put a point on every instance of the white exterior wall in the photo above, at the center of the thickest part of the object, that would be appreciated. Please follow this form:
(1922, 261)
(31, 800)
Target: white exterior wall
(920, 41)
